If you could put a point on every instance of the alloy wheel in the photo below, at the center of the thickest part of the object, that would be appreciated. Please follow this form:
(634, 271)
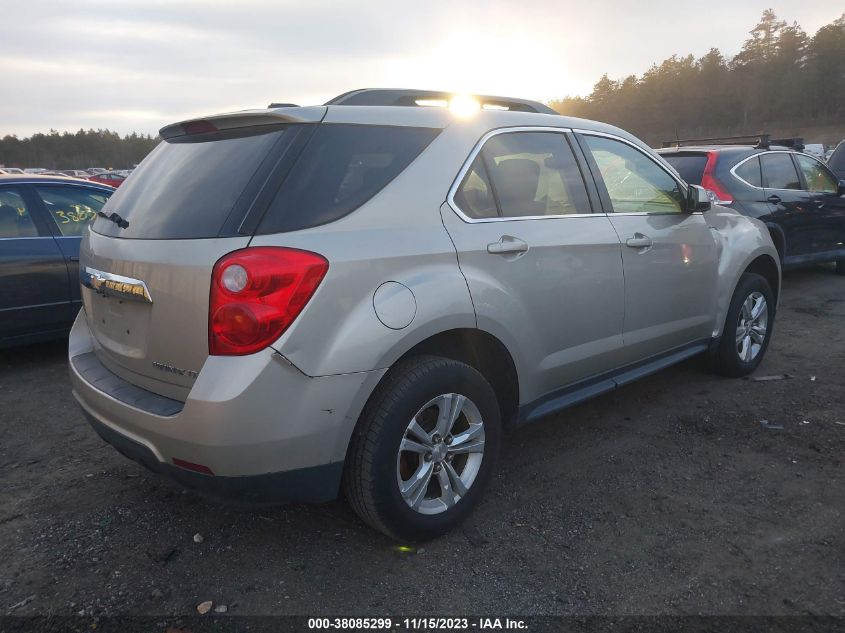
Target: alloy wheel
(440, 453)
(751, 327)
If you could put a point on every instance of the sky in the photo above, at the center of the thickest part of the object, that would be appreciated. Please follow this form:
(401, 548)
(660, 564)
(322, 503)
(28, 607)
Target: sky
(136, 65)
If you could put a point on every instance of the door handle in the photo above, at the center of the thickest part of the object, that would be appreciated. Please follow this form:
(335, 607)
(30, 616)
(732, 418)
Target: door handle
(639, 241)
(774, 199)
(73, 258)
(507, 245)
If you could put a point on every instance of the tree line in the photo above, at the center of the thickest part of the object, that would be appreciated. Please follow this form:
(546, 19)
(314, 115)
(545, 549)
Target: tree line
(76, 150)
(781, 79)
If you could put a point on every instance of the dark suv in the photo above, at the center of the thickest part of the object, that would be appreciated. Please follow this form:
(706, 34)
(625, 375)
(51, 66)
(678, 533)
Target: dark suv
(797, 196)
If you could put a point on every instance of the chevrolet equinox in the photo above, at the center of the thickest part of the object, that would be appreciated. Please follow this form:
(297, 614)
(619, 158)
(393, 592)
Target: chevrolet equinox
(363, 296)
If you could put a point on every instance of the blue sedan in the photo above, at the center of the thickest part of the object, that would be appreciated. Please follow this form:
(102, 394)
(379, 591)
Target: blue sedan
(42, 220)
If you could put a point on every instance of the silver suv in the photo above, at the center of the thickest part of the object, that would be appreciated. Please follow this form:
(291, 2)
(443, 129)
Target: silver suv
(364, 296)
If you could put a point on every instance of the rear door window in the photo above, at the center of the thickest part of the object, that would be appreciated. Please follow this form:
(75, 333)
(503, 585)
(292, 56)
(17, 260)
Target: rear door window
(779, 171)
(535, 174)
(523, 175)
(187, 187)
(749, 171)
(474, 197)
(72, 208)
(341, 168)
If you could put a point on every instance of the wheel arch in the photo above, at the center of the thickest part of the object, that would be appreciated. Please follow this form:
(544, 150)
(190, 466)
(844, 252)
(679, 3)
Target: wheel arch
(482, 351)
(766, 267)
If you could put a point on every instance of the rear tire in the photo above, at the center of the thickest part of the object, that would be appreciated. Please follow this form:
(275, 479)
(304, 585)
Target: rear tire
(748, 327)
(410, 473)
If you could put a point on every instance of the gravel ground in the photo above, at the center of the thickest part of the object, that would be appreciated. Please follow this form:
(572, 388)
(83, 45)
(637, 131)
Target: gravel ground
(665, 497)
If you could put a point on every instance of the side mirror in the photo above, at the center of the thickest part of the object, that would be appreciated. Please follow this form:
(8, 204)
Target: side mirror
(697, 199)
(841, 190)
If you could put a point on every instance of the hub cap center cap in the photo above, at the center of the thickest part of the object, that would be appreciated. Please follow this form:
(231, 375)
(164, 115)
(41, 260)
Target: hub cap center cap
(438, 452)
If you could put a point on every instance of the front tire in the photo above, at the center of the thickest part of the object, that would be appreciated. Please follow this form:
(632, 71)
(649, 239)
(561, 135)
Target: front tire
(748, 327)
(424, 448)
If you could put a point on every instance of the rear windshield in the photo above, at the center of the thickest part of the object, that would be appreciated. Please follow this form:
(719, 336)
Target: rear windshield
(208, 185)
(188, 187)
(342, 167)
(689, 166)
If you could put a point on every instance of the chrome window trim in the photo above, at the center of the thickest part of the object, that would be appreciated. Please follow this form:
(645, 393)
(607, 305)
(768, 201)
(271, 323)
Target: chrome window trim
(683, 185)
(778, 151)
(745, 160)
(759, 155)
(450, 198)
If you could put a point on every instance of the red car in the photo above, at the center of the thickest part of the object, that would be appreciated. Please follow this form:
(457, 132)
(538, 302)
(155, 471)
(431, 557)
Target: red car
(108, 178)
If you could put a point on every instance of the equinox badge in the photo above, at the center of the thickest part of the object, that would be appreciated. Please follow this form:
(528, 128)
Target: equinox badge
(170, 369)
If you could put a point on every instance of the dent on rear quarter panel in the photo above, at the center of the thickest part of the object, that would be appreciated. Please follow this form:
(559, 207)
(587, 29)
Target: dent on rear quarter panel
(740, 240)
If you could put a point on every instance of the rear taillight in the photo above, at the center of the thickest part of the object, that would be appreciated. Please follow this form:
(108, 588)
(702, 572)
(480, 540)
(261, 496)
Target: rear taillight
(256, 293)
(715, 189)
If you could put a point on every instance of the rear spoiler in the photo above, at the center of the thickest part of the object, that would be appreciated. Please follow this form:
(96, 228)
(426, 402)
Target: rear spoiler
(244, 118)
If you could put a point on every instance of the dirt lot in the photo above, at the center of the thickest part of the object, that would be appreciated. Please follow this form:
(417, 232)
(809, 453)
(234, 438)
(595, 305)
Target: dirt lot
(667, 496)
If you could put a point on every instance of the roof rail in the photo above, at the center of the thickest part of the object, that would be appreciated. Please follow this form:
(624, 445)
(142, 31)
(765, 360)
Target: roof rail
(760, 141)
(282, 105)
(408, 97)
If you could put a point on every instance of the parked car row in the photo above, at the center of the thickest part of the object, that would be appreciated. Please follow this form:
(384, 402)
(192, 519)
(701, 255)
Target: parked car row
(113, 178)
(799, 198)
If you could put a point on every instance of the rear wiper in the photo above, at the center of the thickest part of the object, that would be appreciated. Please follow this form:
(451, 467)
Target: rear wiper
(114, 217)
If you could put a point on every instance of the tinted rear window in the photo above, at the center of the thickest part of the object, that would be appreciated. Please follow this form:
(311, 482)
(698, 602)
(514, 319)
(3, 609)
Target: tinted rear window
(341, 168)
(188, 187)
(689, 166)
(779, 172)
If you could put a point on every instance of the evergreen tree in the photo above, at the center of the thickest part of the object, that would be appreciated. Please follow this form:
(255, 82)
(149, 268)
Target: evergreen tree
(781, 78)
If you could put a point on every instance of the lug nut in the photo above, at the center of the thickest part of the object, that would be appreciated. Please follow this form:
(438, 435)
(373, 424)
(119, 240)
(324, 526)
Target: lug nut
(449, 440)
(436, 438)
(449, 457)
(427, 457)
(437, 468)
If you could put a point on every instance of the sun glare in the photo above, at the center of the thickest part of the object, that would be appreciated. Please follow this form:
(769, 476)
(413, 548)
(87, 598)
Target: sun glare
(464, 105)
(482, 62)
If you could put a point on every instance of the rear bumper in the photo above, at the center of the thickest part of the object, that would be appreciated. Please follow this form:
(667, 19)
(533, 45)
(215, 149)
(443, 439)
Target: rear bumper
(260, 426)
(314, 484)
